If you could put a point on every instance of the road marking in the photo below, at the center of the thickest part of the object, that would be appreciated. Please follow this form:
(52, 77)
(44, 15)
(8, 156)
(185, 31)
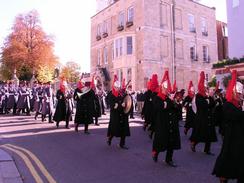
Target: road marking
(37, 161)
(27, 162)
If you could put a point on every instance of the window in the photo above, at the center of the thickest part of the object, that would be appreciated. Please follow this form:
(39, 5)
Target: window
(163, 14)
(105, 27)
(164, 46)
(117, 48)
(193, 52)
(98, 57)
(235, 3)
(105, 55)
(179, 49)
(178, 18)
(225, 31)
(129, 46)
(98, 30)
(112, 50)
(130, 14)
(204, 26)
(205, 54)
(121, 19)
(191, 20)
(129, 74)
(121, 46)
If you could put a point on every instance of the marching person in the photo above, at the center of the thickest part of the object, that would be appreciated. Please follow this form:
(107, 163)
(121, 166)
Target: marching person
(154, 87)
(187, 103)
(118, 122)
(23, 103)
(10, 98)
(204, 128)
(167, 135)
(38, 96)
(64, 106)
(96, 104)
(147, 107)
(230, 162)
(85, 105)
(218, 110)
(47, 102)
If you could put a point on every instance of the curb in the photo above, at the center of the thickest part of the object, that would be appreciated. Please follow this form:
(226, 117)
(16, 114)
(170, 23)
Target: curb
(8, 170)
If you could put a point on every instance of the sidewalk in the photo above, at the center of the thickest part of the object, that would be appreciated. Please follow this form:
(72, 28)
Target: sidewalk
(8, 170)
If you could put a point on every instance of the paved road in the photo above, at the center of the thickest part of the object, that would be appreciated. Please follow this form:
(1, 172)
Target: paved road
(71, 157)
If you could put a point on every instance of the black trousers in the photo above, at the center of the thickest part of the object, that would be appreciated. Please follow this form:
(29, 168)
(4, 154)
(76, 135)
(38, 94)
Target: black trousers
(122, 140)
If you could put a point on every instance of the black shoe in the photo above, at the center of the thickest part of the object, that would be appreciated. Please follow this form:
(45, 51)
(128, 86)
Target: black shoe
(109, 142)
(67, 127)
(155, 158)
(97, 125)
(171, 163)
(185, 131)
(50, 122)
(57, 125)
(210, 153)
(124, 147)
(193, 148)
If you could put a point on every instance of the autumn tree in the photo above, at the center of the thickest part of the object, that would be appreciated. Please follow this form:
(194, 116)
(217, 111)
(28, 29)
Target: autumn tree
(71, 71)
(27, 48)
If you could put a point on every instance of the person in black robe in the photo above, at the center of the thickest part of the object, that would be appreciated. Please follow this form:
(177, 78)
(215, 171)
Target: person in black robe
(147, 107)
(167, 135)
(64, 106)
(154, 88)
(190, 114)
(118, 122)
(204, 128)
(230, 162)
(218, 110)
(96, 103)
(84, 97)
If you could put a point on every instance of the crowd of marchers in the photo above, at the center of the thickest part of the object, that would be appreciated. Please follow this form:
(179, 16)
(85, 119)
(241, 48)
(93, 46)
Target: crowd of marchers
(161, 108)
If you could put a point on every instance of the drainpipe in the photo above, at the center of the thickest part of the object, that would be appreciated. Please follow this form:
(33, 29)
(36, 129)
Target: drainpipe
(173, 52)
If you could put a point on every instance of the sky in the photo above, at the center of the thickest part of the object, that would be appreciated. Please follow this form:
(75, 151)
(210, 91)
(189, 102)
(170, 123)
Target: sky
(69, 22)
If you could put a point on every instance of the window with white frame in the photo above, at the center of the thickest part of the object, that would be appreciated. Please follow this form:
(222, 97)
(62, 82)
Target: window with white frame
(193, 52)
(121, 46)
(130, 14)
(105, 55)
(205, 54)
(129, 43)
(98, 57)
(121, 19)
(235, 3)
(191, 20)
(204, 25)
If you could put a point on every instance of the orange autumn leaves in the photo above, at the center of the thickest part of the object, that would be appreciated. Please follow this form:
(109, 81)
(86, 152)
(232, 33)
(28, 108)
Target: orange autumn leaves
(28, 48)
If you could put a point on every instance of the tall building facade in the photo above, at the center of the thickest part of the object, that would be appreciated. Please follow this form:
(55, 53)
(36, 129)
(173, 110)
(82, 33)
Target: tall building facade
(235, 14)
(222, 38)
(137, 38)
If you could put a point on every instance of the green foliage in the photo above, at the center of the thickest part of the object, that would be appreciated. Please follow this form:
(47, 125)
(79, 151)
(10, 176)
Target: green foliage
(223, 63)
(213, 82)
(71, 72)
(45, 74)
(226, 80)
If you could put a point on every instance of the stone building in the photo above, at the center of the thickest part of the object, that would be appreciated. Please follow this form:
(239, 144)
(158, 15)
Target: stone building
(235, 14)
(136, 38)
(222, 38)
